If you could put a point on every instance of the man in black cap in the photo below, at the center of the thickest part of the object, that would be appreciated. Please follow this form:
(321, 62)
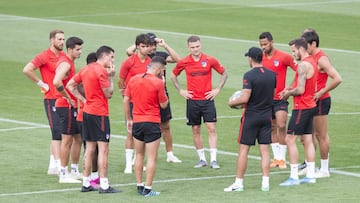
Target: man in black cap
(171, 57)
(256, 97)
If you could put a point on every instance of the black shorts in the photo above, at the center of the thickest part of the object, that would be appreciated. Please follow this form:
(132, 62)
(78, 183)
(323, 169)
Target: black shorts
(96, 128)
(195, 109)
(301, 121)
(323, 107)
(68, 120)
(165, 114)
(254, 127)
(146, 131)
(53, 118)
(279, 105)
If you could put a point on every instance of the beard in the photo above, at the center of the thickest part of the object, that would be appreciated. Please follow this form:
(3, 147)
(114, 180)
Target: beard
(59, 47)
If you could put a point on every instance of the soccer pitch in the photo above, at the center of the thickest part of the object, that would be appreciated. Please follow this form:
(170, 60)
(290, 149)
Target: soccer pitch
(227, 30)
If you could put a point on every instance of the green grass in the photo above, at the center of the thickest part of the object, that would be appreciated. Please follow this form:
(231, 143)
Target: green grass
(227, 29)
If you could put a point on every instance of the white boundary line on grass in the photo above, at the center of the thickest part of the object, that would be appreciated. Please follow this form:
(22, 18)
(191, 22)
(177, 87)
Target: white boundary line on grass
(13, 17)
(133, 184)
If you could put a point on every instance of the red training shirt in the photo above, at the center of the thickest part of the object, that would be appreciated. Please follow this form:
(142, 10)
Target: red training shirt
(279, 63)
(94, 77)
(46, 61)
(61, 101)
(306, 100)
(133, 66)
(146, 92)
(322, 77)
(198, 74)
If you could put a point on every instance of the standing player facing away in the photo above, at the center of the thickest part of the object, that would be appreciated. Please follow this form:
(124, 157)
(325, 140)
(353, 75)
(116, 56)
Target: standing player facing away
(46, 62)
(171, 57)
(301, 120)
(131, 66)
(66, 108)
(147, 93)
(257, 95)
(200, 96)
(97, 80)
(323, 99)
(277, 61)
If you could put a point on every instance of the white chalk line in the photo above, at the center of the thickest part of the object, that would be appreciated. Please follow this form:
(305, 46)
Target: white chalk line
(13, 17)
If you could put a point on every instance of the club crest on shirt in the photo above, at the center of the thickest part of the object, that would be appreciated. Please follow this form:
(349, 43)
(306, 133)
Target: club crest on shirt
(203, 64)
(276, 63)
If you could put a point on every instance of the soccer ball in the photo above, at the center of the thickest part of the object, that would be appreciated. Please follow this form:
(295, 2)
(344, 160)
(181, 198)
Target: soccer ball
(234, 96)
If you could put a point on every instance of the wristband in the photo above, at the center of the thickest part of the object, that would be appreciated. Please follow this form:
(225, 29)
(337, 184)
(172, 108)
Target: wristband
(40, 83)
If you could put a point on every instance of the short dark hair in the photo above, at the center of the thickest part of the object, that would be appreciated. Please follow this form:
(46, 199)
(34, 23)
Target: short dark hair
(299, 42)
(142, 39)
(91, 57)
(158, 59)
(311, 36)
(193, 39)
(103, 50)
(54, 32)
(73, 41)
(266, 35)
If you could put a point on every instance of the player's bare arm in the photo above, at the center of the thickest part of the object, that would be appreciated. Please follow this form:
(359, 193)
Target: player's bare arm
(185, 93)
(326, 66)
(126, 108)
(300, 88)
(131, 50)
(29, 71)
(242, 100)
(212, 94)
(109, 90)
(73, 87)
(62, 72)
(173, 55)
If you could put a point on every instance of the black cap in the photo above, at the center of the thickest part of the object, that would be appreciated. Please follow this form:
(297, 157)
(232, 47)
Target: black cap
(152, 37)
(255, 53)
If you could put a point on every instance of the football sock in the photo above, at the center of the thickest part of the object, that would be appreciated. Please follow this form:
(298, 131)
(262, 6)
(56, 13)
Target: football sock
(104, 183)
(213, 152)
(294, 173)
(201, 154)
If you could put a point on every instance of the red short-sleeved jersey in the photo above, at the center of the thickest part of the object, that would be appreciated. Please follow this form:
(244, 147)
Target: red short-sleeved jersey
(94, 77)
(46, 61)
(279, 63)
(146, 92)
(60, 101)
(198, 74)
(322, 77)
(133, 66)
(306, 100)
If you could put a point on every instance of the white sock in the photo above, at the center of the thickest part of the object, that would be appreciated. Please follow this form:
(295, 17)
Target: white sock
(282, 152)
(104, 183)
(74, 168)
(128, 157)
(63, 170)
(201, 154)
(275, 150)
(310, 172)
(213, 152)
(86, 181)
(265, 181)
(239, 182)
(294, 173)
(94, 175)
(58, 164)
(169, 154)
(52, 163)
(148, 187)
(324, 166)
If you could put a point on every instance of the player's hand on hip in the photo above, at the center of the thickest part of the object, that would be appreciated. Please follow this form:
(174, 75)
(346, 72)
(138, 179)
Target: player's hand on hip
(212, 94)
(186, 94)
